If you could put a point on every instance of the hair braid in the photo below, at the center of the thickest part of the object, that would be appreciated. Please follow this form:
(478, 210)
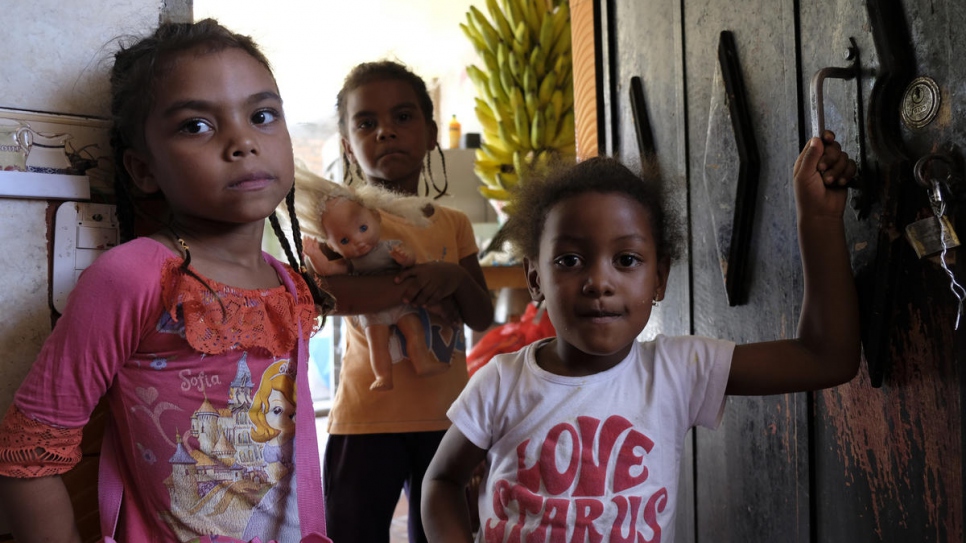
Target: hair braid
(442, 160)
(323, 300)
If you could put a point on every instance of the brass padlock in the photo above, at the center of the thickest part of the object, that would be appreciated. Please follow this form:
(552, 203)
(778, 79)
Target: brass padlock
(927, 235)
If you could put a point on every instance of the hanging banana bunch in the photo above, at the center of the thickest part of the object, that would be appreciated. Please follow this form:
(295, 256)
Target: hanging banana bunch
(525, 89)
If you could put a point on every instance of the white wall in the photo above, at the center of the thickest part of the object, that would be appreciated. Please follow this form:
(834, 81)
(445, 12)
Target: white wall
(313, 44)
(53, 57)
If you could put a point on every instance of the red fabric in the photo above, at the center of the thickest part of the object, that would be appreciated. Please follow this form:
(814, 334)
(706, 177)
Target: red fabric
(29, 448)
(218, 322)
(510, 337)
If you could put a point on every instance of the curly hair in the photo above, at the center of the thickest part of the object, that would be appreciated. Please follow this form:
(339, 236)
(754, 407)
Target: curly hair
(533, 200)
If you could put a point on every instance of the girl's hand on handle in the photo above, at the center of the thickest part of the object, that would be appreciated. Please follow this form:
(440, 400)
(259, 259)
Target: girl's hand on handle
(821, 173)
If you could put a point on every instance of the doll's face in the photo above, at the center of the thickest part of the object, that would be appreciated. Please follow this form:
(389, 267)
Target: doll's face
(351, 229)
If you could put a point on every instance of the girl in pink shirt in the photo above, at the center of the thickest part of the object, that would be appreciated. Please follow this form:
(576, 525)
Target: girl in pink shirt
(178, 329)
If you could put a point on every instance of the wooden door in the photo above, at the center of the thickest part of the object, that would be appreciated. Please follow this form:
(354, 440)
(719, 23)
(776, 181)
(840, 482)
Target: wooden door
(879, 459)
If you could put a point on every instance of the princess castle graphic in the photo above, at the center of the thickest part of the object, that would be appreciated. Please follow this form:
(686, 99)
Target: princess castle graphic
(224, 475)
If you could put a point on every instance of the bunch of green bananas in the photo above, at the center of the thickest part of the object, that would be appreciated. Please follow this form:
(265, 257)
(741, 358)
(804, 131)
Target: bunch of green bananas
(525, 100)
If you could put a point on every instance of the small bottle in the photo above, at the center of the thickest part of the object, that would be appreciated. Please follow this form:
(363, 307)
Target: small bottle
(454, 133)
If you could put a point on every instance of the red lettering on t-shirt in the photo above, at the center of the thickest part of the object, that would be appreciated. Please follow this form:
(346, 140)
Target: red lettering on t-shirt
(655, 505)
(627, 509)
(528, 477)
(493, 532)
(628, 458)
(554, 481)
(593, 474)
(555, 518)
(588, 510)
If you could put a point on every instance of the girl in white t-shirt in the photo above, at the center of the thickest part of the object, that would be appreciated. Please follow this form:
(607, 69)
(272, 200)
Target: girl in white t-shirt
(583, 433)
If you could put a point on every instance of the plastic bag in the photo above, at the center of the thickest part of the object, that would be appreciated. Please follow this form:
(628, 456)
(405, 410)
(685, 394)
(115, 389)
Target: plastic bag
(510, 337)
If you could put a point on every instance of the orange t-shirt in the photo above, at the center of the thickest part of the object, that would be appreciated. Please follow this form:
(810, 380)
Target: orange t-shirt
(415, 404)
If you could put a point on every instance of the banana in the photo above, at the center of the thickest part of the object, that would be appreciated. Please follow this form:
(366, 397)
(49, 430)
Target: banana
(533, 16)
(520, 39)
(516, 65)
(561, 20)
(522, 126)
(494, 154)
(529, 80)
(550, 121)
(563, 65)
(556, 100)
(494, 194)
(512, 11)
(501, 54)
(496, 89)
(489, 60)
(487, 167)
(504, 113)
(506, 79)
(505, 136)
(487, 121)
(537, 131)
(475, 39)
(568, 95)
(490, 35)
(518, 165)
(565, 131)
(523, 9)
(538, 60)
(485, 106)
(499, 148)
(488, 176)
(497, 15)
(547, 86)
(562, 45)
(477, 76)
(506, 181)
(524, 89)
(486, 163)
(530, 102)
(546, 30)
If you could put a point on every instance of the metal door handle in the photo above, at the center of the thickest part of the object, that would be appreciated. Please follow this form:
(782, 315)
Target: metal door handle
(818, 87)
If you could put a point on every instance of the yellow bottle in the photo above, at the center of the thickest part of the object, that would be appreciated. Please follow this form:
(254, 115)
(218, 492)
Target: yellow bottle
(454, 133)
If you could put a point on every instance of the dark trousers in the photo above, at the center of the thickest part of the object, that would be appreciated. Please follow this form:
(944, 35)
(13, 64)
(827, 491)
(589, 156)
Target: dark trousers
(363, 475)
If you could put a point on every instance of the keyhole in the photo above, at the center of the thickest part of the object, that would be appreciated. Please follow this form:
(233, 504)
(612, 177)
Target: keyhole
(917, 94)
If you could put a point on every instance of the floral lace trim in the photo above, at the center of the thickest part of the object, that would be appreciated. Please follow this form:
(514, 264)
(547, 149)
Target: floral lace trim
(243, 319)
(29, 448)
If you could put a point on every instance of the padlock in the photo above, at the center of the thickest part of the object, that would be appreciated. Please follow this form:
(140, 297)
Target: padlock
(927, 235)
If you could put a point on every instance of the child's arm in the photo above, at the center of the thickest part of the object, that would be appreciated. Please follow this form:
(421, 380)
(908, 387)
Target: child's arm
(827, 350)
(38, 509)
(444, 511)
(430, 283)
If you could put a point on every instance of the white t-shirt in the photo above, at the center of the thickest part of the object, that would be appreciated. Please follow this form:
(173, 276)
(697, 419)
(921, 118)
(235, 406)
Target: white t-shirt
(579, 456)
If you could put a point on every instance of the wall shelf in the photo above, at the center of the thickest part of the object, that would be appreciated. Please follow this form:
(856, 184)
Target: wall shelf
(44, 186)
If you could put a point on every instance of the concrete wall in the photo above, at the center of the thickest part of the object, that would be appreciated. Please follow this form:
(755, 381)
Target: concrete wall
(54, 57)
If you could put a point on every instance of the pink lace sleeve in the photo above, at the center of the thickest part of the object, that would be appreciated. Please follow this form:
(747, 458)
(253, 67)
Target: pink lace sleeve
(29, 448)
